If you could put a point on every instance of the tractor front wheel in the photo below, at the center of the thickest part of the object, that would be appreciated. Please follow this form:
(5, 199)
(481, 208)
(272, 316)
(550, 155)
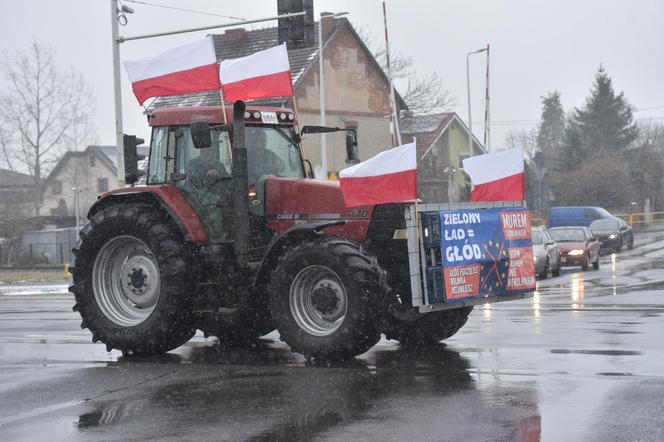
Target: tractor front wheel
(328, 298)
(132, 280)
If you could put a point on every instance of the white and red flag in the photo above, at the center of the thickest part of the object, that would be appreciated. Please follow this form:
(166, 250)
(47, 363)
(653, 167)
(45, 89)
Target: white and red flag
(497, 176)
(185, 69)
(389, 177)
(263, 74)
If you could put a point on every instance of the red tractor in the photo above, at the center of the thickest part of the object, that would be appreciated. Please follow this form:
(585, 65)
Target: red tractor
(231, 235)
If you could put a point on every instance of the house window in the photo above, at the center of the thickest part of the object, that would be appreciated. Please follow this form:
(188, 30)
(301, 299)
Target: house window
(102, 185)
(56, 187)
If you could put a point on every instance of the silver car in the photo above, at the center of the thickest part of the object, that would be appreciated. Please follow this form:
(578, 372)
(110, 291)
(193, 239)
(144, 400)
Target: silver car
(546, 254)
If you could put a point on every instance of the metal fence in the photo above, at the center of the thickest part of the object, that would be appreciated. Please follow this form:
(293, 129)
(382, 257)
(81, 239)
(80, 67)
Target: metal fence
(49, 247)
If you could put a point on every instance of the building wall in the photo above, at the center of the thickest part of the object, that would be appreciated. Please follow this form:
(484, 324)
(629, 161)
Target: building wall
(355, 94)
(459, 150)
(82, 172)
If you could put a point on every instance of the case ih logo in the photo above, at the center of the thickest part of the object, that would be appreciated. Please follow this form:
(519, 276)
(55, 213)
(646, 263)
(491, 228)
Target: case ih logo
(516, 225)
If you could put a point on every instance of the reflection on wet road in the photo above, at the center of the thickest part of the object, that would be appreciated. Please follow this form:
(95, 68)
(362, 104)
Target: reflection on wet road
(581, 360)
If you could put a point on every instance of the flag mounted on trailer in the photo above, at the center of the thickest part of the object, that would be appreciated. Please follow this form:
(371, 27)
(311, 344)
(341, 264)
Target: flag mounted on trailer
(389, 177)
(497, 176)
(263, 74)
(182, 70)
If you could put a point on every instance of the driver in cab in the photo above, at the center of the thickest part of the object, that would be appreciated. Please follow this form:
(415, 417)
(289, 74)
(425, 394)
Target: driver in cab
(261, 161)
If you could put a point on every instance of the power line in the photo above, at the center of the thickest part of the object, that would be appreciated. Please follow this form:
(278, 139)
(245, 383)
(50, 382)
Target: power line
(648, 108)
(536, 122)
(182, 9)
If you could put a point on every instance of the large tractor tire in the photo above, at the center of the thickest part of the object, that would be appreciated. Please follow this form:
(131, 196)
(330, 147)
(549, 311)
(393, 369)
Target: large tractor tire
(328, 298)
(133, 280)
(429, 328)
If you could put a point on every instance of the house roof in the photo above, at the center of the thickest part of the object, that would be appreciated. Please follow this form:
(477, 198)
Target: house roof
(11, 179)
(428, 128)
(106, 154)
(236, 43)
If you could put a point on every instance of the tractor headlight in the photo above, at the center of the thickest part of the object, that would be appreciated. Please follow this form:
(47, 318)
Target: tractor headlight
(613, 236)
(575, 252)
(535, 258)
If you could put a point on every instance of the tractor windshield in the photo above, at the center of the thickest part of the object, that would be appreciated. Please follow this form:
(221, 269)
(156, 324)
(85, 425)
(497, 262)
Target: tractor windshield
(272, 151)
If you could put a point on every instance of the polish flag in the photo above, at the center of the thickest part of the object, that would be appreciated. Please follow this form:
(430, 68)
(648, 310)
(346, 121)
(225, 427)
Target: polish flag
(389, 177)
(264, 74)
(182, 70)
(497, 176)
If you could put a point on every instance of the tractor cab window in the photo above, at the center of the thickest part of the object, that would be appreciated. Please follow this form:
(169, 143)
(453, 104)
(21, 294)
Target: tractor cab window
(204, 176)
(272, 151)
(157, 157)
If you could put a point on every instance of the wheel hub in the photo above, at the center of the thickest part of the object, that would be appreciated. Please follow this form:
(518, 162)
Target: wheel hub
(324, 299)
(318, 300)
(126, 280)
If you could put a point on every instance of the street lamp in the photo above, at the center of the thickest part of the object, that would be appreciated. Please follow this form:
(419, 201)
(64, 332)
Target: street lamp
(470, 120)
(321, 86)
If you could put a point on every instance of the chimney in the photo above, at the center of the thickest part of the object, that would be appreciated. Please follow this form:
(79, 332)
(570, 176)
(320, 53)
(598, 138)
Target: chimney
(327, 24)
(237, 35)
(296, 32)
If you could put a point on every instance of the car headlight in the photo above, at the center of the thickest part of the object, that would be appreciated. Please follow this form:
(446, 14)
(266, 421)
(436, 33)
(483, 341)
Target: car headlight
(575, 252)
(613, 236)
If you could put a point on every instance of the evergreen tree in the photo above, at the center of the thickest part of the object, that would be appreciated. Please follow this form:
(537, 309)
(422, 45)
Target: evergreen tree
(551, 129)
(604, 124)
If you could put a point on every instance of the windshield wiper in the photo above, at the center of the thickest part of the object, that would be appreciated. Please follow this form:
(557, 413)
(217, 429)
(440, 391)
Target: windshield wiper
(285, 136)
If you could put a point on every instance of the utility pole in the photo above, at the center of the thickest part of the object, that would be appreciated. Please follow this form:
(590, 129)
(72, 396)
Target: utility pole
(470, 116)
(396, 138)
(487, 111)
(115, 16)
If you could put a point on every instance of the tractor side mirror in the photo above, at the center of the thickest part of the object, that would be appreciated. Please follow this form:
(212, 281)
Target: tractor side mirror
(351, 147)
(318, 129)
(200, 134)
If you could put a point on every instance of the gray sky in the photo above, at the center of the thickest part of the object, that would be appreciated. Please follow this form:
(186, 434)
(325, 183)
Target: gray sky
(536, 46)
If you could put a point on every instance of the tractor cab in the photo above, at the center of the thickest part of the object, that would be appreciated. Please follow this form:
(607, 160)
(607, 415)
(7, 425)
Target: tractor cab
(203, 171)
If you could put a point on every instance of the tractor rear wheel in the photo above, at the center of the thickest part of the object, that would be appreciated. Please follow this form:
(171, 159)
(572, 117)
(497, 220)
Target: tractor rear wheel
(328, 298)
(133, 280)
(429, 328)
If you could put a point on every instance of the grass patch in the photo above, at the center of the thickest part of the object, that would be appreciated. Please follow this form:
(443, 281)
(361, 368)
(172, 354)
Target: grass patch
(14, 276)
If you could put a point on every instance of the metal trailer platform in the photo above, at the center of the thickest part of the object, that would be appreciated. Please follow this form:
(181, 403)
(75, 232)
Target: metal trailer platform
(415, 234)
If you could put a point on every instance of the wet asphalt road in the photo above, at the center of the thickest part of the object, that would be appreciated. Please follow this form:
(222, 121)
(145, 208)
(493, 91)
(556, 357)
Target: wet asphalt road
(582, 360)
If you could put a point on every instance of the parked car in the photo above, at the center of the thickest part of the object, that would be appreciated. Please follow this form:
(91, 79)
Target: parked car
(546, 253)
(577, 216)
(578, 246)
(612, 234)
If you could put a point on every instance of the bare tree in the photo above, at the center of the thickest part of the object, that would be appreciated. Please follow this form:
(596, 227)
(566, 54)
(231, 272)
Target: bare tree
(525, 139)
(423, 94)
(43, 111)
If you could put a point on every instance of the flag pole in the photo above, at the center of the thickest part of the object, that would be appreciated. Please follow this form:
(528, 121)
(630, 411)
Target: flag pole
(223, 106)
(223, 112)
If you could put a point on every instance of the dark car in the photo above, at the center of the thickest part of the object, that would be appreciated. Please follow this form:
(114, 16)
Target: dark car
(578, 246)
(577, 216)
(612, 234)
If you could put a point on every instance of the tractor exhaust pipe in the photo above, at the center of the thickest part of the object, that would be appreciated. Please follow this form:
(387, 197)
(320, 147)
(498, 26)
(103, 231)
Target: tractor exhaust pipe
(240, 187)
